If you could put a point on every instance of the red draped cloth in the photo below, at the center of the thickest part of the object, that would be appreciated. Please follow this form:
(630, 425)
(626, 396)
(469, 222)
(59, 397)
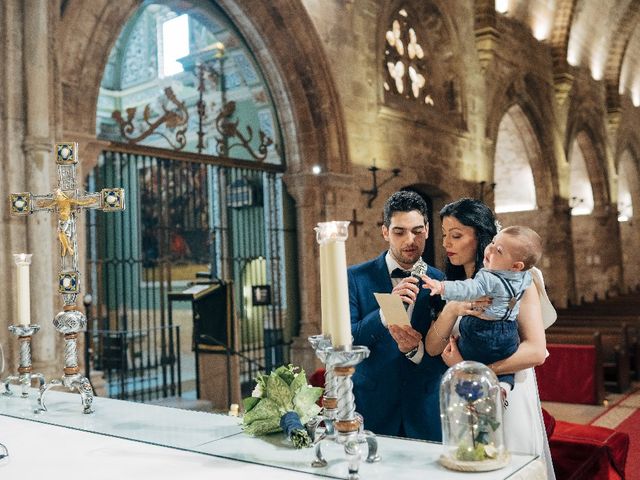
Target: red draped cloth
(585, 452)
(568, 374)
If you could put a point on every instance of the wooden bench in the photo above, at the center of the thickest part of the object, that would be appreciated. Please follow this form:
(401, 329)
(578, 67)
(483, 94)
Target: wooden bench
(610, 324)
(573, 372)
(615, 354)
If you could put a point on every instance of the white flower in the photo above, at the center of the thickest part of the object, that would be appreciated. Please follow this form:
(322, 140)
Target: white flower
(257, 392)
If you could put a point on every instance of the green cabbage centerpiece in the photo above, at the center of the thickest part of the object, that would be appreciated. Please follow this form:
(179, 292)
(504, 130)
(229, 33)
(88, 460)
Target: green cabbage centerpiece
(282, 401)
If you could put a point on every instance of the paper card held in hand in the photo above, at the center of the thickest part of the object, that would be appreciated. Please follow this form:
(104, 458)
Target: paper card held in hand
(392, 308)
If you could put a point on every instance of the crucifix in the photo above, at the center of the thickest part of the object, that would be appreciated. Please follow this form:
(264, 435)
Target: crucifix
(66, 202)
(355, 222)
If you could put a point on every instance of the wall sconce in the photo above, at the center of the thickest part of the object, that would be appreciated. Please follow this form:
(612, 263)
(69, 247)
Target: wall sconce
(481, 185)
(373, 191)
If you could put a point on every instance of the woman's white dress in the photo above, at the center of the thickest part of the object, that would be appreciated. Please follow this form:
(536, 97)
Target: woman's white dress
(523, 423)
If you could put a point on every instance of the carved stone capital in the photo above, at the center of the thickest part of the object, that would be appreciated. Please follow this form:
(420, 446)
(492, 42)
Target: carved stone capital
(562, 83)
(486, 45)
(34, 144)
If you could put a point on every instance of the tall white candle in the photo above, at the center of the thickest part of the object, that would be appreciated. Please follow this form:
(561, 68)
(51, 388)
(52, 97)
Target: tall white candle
(23, 260)
(339, 318)
(335, 288)
(324, 291)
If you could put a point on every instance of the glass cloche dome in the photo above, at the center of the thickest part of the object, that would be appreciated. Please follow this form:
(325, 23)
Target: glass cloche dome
(471, 415)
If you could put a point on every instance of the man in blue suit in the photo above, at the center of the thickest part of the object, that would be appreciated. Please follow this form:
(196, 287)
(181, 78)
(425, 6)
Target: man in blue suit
(397, 386)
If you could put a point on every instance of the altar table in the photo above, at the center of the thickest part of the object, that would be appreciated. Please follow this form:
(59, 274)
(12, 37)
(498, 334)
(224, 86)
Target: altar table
(124, 440)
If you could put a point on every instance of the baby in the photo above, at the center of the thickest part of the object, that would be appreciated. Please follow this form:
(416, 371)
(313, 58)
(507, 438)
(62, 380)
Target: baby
(506, 276)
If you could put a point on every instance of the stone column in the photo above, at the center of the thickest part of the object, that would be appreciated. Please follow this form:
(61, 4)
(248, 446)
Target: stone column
(39, 168)
(559, 263)
(13, 230)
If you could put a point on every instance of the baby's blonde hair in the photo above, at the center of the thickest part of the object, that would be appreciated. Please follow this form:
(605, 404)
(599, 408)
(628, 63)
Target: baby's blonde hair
(530, 249)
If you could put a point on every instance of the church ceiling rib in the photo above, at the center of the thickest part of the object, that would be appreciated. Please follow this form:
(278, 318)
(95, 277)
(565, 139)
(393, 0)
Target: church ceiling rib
(559, 38)
(619, 52)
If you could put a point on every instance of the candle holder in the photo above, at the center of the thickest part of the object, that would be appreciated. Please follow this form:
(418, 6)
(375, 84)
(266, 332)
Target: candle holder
(321, 344)
(69, 323)
(343, 425)
(25, 375)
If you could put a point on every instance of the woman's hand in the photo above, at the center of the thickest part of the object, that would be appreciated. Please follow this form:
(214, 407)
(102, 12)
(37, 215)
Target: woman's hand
(451, 354)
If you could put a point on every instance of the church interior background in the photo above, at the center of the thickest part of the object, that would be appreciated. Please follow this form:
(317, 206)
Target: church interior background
(235, 126)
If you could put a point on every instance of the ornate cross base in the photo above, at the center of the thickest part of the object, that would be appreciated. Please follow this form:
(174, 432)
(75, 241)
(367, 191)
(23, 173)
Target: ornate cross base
(70, 322)
(342, 424)
(25, 375)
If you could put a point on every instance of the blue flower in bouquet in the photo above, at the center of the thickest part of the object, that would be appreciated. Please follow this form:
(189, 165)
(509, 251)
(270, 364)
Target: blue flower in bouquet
(282, 401)
(469, 390)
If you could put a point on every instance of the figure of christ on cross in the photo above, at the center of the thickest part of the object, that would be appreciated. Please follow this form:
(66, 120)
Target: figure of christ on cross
(65, 207)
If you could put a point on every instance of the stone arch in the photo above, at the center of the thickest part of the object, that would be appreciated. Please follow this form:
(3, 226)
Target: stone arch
(581, 198)
(618, 50)
(627, 163)
(592, 146)
(598, 271)
(628, 171)
(305, 96)
(628, 141)
(523, 92)
(516, 148)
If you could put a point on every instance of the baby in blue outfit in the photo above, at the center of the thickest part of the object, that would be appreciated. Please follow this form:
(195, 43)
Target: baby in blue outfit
(504, 278)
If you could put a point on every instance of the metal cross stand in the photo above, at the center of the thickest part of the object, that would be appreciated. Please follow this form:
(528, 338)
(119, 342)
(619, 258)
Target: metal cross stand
(65, 202)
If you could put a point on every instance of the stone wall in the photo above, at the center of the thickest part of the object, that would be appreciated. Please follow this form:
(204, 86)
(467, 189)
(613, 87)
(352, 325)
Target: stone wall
(324, 61)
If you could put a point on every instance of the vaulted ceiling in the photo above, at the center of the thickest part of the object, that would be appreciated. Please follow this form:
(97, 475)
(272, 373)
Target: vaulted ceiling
(601, 35)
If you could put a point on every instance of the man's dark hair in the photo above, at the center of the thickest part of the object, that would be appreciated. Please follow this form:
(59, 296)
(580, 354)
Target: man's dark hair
(404, 201)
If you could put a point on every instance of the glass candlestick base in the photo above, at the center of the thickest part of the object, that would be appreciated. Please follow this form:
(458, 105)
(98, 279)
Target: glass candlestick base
(343, 425)
(25, 376)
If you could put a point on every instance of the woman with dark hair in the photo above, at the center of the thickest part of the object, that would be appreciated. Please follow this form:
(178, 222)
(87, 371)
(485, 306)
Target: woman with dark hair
(468, 226)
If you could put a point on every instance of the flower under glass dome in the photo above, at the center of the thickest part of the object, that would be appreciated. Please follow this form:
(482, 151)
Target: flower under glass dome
(471, 415)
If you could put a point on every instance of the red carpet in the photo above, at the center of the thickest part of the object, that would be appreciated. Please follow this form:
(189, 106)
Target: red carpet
(632, 426)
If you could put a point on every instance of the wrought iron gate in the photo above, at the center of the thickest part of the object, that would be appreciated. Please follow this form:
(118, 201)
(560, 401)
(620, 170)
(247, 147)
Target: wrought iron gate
(184, 216)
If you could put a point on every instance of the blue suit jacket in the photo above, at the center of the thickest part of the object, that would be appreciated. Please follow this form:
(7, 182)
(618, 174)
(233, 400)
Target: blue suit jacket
(394, 395)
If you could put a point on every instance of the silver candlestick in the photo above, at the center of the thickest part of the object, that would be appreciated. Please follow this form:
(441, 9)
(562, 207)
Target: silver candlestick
(25, 375)
(69, 323)
(343, 425)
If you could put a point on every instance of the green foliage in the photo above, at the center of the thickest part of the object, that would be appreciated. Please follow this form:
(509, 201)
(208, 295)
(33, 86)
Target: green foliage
(285, 389)
(278, 391)
(266, 408)
(469, 454)
(305, 402)
(263, 427)
(249, 402)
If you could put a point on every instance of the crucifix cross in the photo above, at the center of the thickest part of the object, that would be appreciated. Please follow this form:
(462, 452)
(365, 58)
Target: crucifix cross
(65, 202)
(355, 222)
